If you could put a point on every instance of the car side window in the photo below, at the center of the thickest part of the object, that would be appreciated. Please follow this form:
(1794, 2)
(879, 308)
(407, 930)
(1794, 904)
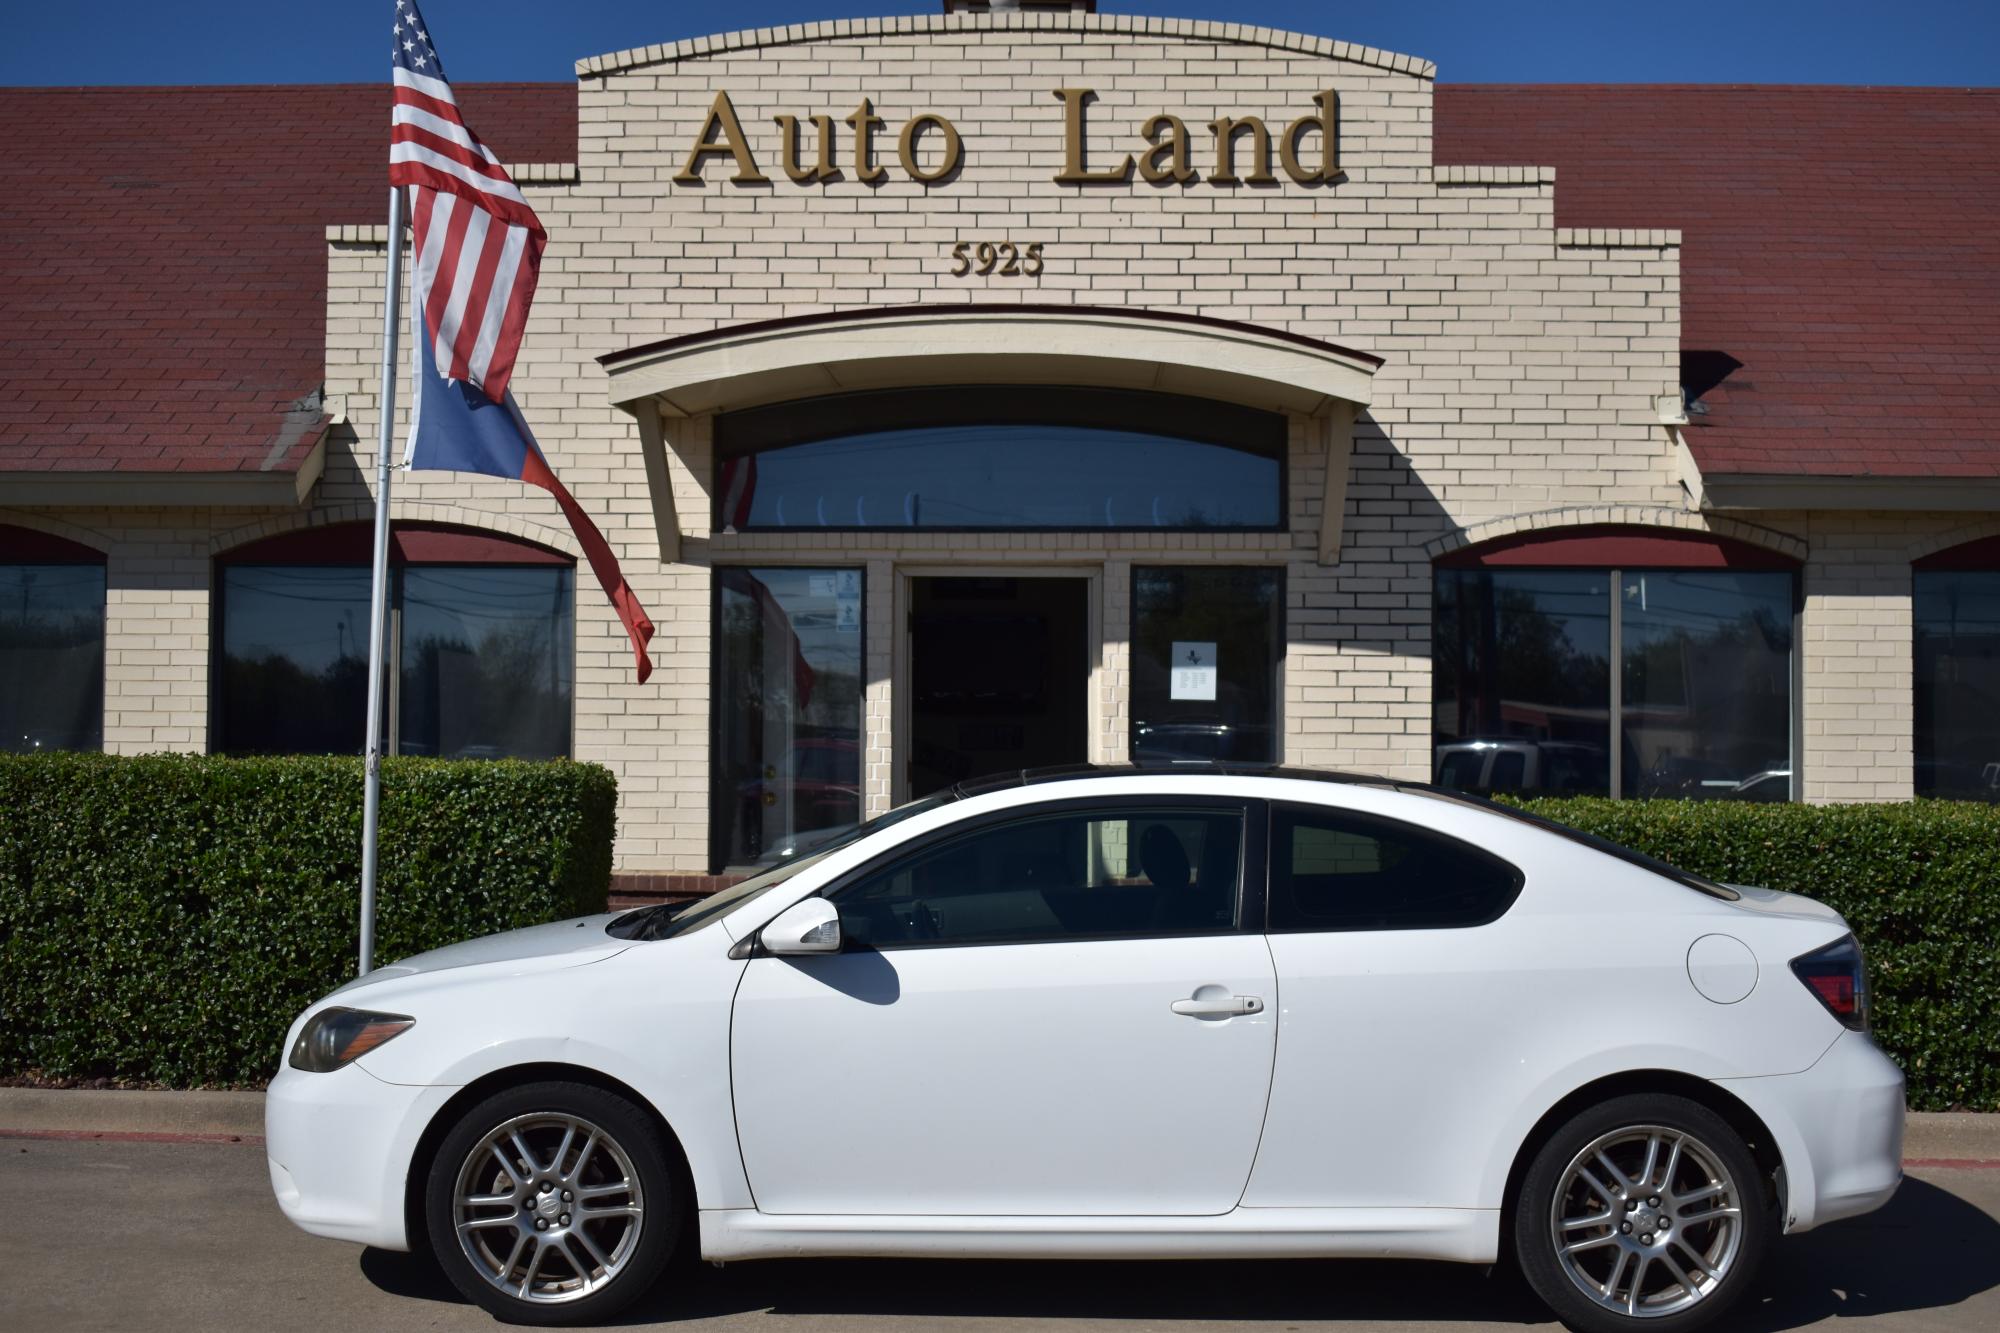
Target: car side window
(1082, 874)
(1341, 870)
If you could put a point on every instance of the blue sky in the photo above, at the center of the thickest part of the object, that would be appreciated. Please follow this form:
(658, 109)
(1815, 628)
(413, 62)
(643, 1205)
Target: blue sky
(1953, 42)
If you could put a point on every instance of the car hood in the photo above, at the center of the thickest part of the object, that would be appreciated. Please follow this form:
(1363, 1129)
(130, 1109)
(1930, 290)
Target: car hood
(559, 944)
(1772, 902)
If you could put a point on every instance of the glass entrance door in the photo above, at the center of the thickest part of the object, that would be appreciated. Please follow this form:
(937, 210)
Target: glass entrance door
(999, 676)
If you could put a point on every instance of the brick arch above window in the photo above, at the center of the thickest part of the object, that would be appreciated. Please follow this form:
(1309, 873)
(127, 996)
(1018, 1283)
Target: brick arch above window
(1617, 536)
(1974, 548)
(42, 542)
(490, 539)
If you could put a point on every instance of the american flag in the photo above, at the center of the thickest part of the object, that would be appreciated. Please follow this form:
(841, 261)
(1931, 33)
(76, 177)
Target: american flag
(478, 246)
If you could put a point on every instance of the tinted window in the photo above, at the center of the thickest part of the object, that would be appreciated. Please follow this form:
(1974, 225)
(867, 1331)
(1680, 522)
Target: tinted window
(294, 677)
(1957, 628)
(486, 660)
(51, 657)
(1523, 663)
(1706, 662)
(787, 758)
(1098, 874)
(1520, 666)
(1205, 648)
(1337, 870)
(1000, 458)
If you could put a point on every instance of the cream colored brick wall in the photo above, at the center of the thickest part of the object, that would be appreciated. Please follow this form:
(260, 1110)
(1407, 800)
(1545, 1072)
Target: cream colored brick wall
(1523, 367)
(1857, 654)
(1523, 371)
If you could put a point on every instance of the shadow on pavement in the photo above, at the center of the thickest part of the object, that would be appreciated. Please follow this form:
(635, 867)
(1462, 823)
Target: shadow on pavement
(1927, 1249)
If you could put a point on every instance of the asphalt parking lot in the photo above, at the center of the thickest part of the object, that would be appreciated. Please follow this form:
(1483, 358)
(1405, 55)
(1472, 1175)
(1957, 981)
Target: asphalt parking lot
(145, 1236)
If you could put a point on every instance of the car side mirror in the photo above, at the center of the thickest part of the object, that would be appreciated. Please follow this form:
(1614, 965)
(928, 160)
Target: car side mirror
(811, 925)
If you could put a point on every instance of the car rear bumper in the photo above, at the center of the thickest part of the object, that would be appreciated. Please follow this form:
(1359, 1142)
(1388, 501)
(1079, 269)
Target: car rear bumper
(339, 1148)
(1839, 1128)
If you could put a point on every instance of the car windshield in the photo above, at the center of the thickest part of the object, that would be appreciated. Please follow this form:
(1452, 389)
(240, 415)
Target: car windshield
(665, 920)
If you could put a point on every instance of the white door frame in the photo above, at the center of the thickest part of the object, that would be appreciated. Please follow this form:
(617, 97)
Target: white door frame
(1091, 572)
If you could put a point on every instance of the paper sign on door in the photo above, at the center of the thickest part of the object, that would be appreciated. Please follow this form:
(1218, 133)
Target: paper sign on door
(847, 600)
(1194, 671)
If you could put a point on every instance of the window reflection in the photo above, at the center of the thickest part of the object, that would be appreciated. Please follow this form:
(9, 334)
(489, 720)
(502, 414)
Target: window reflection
(294, 676)
(1089, 876)
(1522, 684)
(1957, 615)
(1521, 681)
(788, 710)
(486, 662)
(982, 458)
(1706, 665)
(1205, 649)
(51, 657)
(1004, 477)
(485, 669)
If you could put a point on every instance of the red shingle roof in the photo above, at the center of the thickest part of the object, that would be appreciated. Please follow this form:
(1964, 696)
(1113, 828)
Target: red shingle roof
(163, 276)
(1842, 244)
(163, 261)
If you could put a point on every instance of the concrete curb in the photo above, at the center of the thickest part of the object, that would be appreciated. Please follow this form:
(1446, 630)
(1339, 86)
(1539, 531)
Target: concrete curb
(76, 1111)
(1952, 1136)
(1933, 1136)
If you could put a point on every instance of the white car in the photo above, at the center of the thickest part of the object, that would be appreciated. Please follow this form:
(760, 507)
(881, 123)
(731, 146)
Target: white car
(1166, 1013)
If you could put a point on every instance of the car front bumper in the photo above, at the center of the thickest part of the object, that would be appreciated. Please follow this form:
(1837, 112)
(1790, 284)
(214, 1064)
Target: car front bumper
(339, 1148)
(1839, 1128)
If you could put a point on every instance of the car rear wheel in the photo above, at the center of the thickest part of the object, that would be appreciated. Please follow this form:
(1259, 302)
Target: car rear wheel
(552, 1204)
(1648, 1211)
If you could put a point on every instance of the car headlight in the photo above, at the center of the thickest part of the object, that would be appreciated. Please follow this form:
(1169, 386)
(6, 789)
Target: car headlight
(335, 1037)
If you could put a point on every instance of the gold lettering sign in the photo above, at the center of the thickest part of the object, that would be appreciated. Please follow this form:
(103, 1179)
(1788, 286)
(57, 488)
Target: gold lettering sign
(1165, 160)
(721, 116)
(1240, 147)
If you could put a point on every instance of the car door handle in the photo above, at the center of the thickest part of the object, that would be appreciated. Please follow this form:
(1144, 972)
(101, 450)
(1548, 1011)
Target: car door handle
(1218, 1006)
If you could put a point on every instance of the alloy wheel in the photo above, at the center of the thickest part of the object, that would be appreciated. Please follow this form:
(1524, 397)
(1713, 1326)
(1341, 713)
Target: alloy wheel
(548, 1208)
(1647, 1221)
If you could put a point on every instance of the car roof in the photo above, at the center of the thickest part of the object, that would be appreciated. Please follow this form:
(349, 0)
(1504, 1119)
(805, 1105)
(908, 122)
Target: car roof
(1203, 768)
(1029, 777)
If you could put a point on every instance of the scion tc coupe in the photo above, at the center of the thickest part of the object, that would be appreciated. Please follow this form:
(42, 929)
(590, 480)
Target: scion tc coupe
(1171, 1013)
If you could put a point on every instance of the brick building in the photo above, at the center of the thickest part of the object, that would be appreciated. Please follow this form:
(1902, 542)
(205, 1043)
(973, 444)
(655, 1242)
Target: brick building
(980, 390)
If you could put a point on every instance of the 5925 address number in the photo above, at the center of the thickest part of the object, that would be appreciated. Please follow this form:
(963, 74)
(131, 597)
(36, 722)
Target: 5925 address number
(1005, 257)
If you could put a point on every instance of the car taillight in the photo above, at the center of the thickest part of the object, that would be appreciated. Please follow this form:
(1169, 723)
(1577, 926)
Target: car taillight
(1838, 979)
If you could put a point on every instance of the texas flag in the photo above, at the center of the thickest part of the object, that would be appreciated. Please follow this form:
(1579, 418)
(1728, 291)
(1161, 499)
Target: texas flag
(456, 428)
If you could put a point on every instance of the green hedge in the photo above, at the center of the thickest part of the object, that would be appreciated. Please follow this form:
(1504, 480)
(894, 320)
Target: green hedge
(163, 919)
(1919, 882)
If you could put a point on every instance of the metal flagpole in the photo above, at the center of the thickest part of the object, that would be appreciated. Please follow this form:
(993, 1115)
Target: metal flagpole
(378, 604)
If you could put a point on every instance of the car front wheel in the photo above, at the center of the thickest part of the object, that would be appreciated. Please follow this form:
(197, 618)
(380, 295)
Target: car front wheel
(1646, 1211)
(552, 1204)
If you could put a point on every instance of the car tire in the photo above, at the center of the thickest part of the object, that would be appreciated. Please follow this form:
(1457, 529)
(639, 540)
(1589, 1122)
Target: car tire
(1647, 1211)
(553, 1204)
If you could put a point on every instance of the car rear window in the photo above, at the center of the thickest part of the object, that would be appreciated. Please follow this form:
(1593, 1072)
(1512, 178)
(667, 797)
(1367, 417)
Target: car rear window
(1685, 878)
(1343, 870)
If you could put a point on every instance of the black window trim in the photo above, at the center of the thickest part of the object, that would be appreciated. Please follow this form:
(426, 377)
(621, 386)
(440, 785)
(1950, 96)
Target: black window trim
(1316, 809)
(1251, 867)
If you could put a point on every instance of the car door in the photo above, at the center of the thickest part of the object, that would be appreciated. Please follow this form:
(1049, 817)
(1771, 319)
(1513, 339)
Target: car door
(1052, 1012)
(1405, 981)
